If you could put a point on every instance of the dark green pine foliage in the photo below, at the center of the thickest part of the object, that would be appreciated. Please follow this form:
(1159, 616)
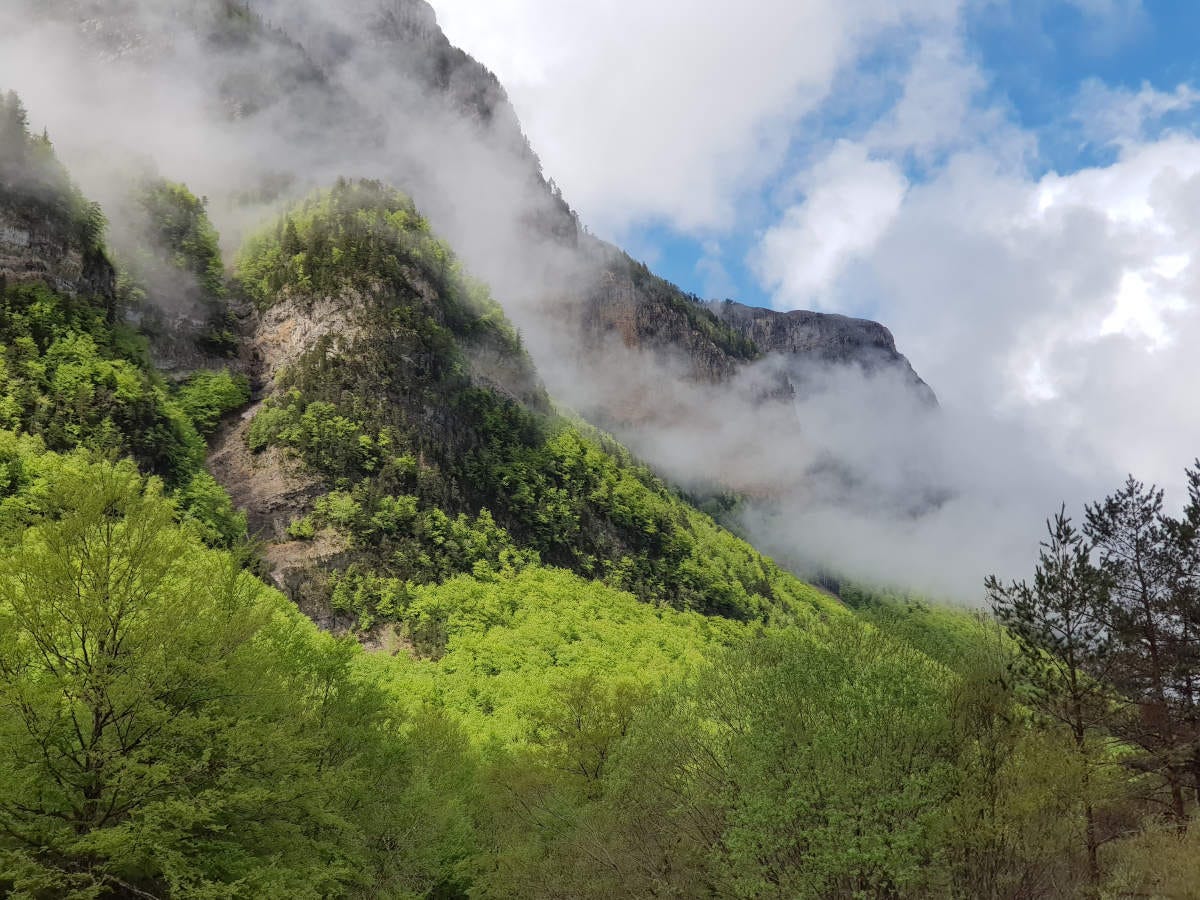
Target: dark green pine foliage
(33, 182)
(1061, 625)
(1134, 540)
(1184, 536)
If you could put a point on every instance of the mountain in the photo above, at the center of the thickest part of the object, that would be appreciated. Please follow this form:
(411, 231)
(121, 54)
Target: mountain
(405, 437)
(527, 666)
(341, 93)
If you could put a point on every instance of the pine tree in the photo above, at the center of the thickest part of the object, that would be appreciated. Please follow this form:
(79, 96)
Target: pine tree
(14, 132)
(1183, 536)
(1141, 562)
(1059, 624)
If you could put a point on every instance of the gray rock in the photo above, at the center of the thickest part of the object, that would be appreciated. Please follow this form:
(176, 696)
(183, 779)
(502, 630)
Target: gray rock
(806, 338)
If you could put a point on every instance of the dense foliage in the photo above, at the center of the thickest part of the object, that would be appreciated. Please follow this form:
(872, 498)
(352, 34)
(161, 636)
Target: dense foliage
(435, 470)
(207, 396)
(362, 235)
(530, 726)
(193, 736)
(171, 726)
(70, 377)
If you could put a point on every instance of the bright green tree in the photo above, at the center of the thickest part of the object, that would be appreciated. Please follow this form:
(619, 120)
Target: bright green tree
(171, 726)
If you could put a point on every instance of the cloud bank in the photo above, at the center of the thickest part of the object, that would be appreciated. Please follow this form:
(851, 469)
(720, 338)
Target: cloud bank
(1052, 312)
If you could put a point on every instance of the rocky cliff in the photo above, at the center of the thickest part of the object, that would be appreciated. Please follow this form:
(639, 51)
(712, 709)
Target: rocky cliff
(379, 85)
(36, 244)
(647, 314)
(804, 338)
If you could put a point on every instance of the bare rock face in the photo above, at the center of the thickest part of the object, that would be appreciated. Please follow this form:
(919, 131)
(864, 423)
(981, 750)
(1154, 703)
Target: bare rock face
(289, 329)
(643, 318)
(273, 490)
(806, 338)
(659, 332)
(36, 246)
(270, 487)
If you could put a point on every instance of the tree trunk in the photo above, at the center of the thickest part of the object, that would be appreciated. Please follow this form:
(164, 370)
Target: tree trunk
(1089, 812)
(1093, 850)
(1178, 810)
(1196, 774)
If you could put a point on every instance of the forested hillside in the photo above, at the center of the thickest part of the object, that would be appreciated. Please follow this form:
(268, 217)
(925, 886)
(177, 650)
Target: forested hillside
(577, 685)
(436, 447)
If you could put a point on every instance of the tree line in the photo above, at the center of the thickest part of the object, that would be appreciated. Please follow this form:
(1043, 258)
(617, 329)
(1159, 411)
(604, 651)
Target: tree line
(1109, 649)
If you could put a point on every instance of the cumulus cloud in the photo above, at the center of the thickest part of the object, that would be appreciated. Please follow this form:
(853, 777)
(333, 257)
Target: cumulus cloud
(1121, 116)
(668, 111)
(850, 201)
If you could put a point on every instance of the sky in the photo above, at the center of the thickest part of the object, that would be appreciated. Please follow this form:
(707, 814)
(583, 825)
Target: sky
(1012, 186)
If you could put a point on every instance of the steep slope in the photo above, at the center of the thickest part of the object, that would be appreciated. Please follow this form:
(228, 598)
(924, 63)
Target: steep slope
(376, 88)
(427, 445)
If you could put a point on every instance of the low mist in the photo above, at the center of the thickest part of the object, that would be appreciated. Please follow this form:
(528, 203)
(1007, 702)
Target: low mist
(856, 473)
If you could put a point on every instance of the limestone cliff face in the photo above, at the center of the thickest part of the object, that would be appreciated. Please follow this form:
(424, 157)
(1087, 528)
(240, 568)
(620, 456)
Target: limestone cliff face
(36, 245)
(805, 338)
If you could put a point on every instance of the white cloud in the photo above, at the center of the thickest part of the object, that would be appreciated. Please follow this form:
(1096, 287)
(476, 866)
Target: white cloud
(1121, 116)
(850, 200)
(669, 110)
(1067, 301)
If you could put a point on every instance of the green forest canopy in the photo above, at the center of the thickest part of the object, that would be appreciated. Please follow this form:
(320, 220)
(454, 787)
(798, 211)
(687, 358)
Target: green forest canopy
(568, 718)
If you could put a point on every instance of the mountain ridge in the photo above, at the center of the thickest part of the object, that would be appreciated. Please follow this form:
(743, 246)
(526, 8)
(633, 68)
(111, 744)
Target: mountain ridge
(378, 61)
(528, 667)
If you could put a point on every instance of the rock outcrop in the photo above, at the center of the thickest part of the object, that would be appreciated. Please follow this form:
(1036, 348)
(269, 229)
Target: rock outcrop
(36, 245)
(806, 338)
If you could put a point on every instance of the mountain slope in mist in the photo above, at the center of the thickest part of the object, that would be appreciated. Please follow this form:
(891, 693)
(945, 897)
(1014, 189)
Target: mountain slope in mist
(398, 391)
(589, 688)
(256, 104)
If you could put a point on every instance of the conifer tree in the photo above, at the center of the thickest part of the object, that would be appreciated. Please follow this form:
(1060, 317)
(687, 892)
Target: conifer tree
(1060, 625)
(1141, 562)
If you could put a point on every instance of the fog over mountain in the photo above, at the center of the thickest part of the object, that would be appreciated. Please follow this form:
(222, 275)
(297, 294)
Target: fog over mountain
(845, 465)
